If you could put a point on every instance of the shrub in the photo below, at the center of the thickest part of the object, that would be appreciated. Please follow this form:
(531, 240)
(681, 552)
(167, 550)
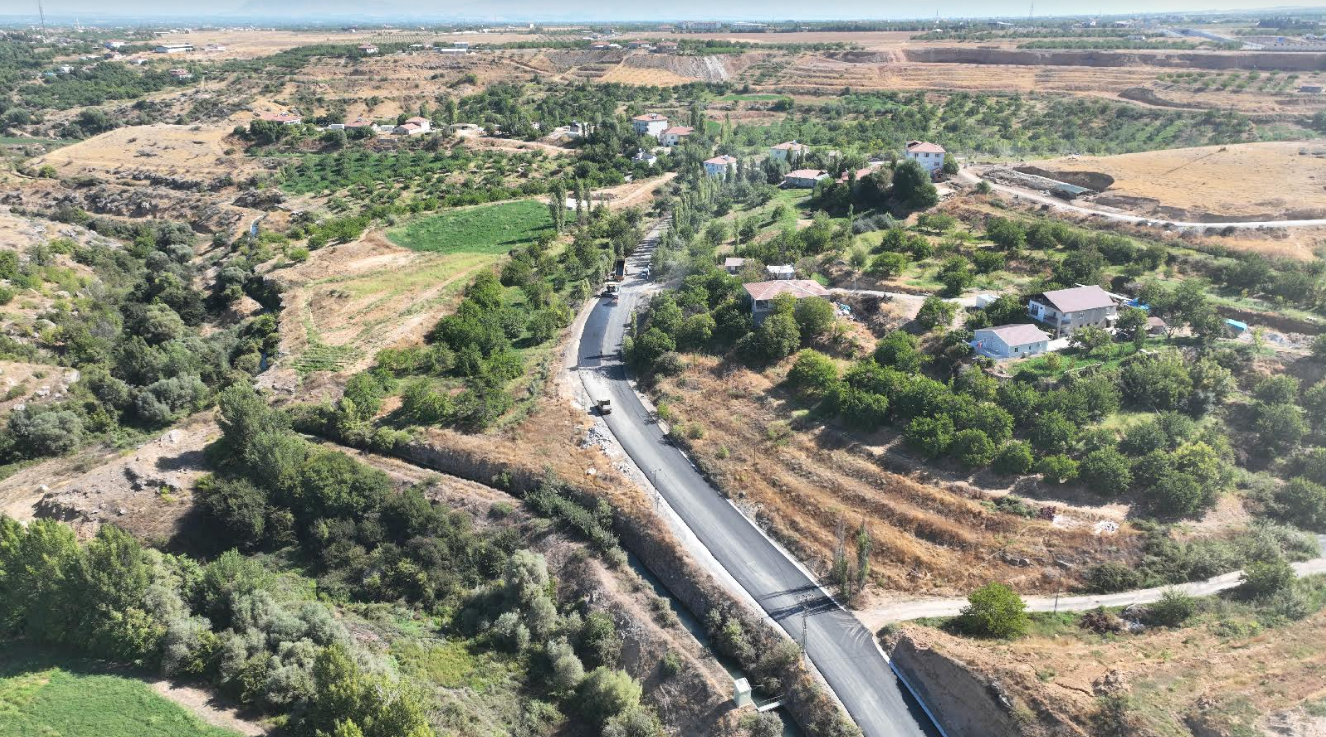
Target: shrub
(899, 350)
(1264, 578)
(1106, 471)
(1303, 503)
(813, 373)
(973, 448)
(1057, 468)
(935, 312)
(605, 694)
(1014, 459)
(931, 436)
(994, 610)
(814, 316)
(1173, 609)
(1108, 578)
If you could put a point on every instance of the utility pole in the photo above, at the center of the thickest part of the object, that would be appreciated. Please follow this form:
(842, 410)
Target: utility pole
(42, 14)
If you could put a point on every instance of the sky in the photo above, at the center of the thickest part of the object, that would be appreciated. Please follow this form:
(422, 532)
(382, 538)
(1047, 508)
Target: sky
(623, 9)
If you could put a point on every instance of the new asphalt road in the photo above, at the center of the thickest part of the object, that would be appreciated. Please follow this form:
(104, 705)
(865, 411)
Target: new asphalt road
(843, 650)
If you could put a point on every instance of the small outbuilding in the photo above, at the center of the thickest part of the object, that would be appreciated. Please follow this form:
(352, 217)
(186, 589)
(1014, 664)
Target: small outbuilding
(785, 271)
(733, 264)
(804, 178)
(1011, 341)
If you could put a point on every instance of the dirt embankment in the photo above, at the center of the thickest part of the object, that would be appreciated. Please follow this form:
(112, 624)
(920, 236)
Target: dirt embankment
(715, 68)
(1094, 58)
(973, 696)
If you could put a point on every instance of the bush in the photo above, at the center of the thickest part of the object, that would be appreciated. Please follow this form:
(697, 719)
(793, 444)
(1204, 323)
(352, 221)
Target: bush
(1014, 459)
(813, 374)
(1109, 578)
(1173, 609)
(814, 316)
(1057, 469)
(1302, 503)
(863, 410)
(931, 436)
(606, 693)
(935, 312)
(994, 610)
(899, 350)
(1106, 471)
(1262, 579)
(973, 448)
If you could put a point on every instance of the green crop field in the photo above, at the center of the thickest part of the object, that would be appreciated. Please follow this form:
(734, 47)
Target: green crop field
(489, 229)
(45, 694)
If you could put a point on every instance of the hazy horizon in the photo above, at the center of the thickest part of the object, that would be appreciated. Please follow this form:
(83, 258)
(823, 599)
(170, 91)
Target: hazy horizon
(314, 11)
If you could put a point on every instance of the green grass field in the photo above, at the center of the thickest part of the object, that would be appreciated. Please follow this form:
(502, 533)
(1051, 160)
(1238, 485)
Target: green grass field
(489, 229)
(54, 696)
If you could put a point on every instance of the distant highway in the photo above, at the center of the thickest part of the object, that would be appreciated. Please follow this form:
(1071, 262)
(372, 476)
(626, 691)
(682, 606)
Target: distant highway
(842, 649)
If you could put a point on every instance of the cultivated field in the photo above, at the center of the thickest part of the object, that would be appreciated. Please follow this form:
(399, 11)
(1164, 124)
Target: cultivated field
(1246, 181)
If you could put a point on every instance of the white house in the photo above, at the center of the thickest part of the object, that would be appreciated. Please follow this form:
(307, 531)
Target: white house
(1066, 310)
(733, 264)
(786, 271)
(804, 178)
(649, 124)
(421, 122)
(645, 157)
(720, 166)
(1011, 341)
(173, 48)
(929, 155)
(675, 135)
(788, 150)
(181, 74)
(762, 294)
(114, 44)
(409, 129)
(368, 49)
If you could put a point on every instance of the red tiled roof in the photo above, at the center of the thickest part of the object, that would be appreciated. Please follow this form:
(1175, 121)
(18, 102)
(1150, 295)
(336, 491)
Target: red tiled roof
(649, 118)
(679, 130)
(791, 146)
(417, 119)
(806, 174)
(723, 160)
(860, 174)
(924, 147)
(762, 290)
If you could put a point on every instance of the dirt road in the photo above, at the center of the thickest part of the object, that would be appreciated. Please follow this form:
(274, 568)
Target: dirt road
(970, 177)
(902, 611)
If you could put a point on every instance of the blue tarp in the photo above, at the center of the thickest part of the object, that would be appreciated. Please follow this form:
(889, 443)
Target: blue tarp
(1239, 326)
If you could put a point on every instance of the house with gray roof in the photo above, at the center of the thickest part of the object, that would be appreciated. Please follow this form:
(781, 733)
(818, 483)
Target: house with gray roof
(1011, 341)
(1066, 310)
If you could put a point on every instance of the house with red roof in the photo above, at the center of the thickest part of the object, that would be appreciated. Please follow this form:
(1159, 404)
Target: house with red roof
(675, 135)
(929, 155)
(649, 124)
(720, 166)
(762, 294)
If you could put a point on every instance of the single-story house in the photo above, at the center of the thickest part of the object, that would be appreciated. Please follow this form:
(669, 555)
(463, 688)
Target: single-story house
(733, 264)
(452, 51)
(409, 129)
(638, 44)
(929, 155)
(282, 118)
(114, 44)
(804, 178)
(720, 166)
(645, 157)
(787, 150)
(762, 294)
(1011, 341)
(181, 74)
(368, 49)
(666, 47)
(1066, 310)
(174, 48)
(860, 174)
(786, 271)
(674, 135)
(420, 121)
(649, 124)
(359, 123)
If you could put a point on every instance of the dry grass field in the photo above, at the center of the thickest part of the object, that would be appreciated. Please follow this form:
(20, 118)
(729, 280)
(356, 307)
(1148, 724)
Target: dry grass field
(1256, 180)
(186, 151)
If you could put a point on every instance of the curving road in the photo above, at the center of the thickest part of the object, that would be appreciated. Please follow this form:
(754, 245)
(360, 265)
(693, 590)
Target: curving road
(842, 649)
(905, 610)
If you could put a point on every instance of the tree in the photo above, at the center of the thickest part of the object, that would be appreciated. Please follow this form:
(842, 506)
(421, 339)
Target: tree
(973, 448)
(1302, 503)
(774, 340)
(935, 312)
(1279, 427)
(567, 671)
(912, 187)
(1051, 432)
(931, 436)
(607, 693)
(1090, 337)
(1007, 234)
(899, 350)
(888, 265)
(813, 373)
(1014, 459)
(994, 610)
(814, 317)
(1280, 389)
(1057, 468)
(1157, 381)
(956, 275)
(1106, 471)
(862, 409)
